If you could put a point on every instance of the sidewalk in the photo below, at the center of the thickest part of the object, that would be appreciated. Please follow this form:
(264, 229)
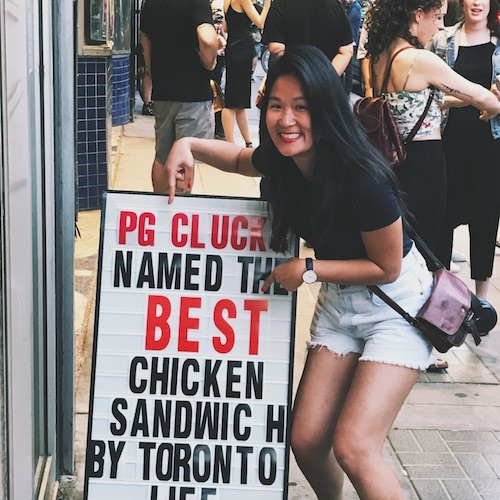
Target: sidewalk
(445, 443)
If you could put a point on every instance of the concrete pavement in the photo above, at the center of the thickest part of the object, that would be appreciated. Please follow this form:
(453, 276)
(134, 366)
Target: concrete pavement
(445, 443)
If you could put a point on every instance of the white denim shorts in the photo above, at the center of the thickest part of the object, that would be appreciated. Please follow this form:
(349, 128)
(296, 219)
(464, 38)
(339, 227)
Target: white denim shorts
(350, 318)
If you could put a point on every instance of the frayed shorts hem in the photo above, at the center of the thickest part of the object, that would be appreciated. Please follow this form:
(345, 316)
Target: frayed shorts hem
(412, 366)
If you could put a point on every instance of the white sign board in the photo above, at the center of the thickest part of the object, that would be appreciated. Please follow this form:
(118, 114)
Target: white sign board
(192, 363)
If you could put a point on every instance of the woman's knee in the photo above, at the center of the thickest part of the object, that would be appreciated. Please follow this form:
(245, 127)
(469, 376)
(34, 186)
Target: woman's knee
(351, 451)
(306, 444)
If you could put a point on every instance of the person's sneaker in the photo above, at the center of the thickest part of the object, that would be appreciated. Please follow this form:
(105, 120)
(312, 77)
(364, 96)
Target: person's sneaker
(454, 268)
(148, 109)
(457, 256)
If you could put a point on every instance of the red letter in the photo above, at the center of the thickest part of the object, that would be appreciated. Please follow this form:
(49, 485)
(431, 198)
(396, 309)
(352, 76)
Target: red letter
(179, 240)
(195, 233)
(146, 236)
(155, 321)
(223, 233)
(187, 323)
(243, 223)
(255, 307)
(256, 238)
(223, 326)
(128, 222)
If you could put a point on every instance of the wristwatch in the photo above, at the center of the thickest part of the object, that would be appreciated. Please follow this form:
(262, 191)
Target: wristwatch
(309, 275)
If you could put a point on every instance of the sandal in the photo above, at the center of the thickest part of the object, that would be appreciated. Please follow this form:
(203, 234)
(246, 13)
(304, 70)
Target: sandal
(438, 365)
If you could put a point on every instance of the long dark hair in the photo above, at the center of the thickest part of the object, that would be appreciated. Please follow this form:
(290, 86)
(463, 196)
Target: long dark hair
(339, 142)
(494, 17)
(390, 19)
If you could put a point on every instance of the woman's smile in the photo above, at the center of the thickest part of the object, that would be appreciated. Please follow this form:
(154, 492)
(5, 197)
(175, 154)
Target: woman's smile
(289, 122)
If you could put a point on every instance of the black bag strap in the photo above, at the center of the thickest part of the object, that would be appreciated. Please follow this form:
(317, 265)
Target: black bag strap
(407, 316)
(417, 126)
(430, 257)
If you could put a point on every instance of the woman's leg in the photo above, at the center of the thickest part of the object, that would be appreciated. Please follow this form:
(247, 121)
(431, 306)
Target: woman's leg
(375, 397)
(482, 287)
(228, 123)
(320, 396)
(241, 120)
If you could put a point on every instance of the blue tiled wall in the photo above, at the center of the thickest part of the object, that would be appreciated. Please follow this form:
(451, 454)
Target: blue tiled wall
(121, 90)
(93, 108)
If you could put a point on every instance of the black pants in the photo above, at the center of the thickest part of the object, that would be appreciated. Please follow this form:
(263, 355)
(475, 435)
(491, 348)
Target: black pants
(473, 166)
(422, 179)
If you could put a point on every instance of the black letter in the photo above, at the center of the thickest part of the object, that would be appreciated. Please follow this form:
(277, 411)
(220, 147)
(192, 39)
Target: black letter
(236, 423)
(271, 453)
(137, 389)
(146, 274)
(115, 454)
(96, 456)
(118, 430)
(125, 271)
(198, 464)
(278, 424)
(217, 260)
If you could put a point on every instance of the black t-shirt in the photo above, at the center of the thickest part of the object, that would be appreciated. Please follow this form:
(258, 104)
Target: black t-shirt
(321, 23)
(367, 203)
(176, 70)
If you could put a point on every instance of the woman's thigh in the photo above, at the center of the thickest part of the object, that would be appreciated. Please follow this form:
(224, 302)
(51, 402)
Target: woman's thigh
(322, 390)
(375, 397)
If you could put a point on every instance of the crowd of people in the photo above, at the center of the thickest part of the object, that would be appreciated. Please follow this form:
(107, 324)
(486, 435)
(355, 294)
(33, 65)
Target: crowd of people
(327, 184)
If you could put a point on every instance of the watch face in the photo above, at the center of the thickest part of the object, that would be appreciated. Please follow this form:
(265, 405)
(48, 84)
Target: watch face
(309, 276)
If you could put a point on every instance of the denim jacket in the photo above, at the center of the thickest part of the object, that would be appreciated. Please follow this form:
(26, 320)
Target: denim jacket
(444, 45)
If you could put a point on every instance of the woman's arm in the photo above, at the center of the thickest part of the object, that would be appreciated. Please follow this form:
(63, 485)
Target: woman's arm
(384, 248)
(251, 12)
(343, 58)
(225, 156)
(433, 69)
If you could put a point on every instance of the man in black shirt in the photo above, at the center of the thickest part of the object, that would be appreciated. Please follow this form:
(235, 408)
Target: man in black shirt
(180, 49)
(321, 23)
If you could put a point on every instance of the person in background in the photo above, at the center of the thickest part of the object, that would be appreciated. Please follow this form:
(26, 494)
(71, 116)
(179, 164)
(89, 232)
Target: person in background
(399, 31)
(353, 11)
(415, 72)
(363, 357)
(240, 51)
(180, 49)
(218, 17)
(472, 146)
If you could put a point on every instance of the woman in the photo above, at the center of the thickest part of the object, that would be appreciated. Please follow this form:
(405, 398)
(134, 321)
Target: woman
(410, 25)
(240, 51)
(472, 147)
(363, 358)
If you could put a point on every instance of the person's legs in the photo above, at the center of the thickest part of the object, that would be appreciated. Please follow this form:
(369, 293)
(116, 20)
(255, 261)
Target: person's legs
(173, 121)
(375, 397)
(241, 120)
(165, 113)
(321, 393)
(228, 123)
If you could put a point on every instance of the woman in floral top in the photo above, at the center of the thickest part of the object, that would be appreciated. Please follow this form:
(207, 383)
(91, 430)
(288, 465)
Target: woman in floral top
(400, 30)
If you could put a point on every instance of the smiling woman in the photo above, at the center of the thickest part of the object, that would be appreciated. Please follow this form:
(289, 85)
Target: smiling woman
(289, 123)
(329, 186)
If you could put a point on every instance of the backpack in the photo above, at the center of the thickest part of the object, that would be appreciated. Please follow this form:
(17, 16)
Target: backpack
(377, 120)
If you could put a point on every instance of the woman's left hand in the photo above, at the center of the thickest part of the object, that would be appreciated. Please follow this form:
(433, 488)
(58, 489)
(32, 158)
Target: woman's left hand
(288, 275)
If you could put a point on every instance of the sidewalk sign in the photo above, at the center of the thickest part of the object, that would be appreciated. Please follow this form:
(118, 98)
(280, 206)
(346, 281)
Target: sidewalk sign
(192, 363)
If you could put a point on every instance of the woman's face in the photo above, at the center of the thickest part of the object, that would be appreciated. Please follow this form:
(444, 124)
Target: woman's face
(289, 122)
(476, 11)
(429, 23)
